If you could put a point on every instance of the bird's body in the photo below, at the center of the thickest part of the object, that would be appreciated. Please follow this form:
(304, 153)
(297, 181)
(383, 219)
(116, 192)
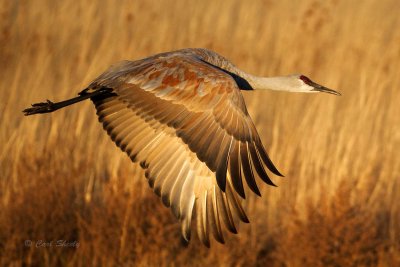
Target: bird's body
(181, 115)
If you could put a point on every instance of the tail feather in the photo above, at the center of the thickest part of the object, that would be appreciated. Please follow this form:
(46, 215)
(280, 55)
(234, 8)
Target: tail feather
(49, 106)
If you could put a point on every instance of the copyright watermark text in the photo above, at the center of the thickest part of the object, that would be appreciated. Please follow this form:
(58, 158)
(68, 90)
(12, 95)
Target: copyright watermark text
(51, 243)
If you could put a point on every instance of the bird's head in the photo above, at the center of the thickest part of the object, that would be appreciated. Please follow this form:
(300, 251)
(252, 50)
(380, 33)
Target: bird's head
(307, 85)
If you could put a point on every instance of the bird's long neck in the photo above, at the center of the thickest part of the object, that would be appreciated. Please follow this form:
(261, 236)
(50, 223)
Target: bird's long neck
(280, 83)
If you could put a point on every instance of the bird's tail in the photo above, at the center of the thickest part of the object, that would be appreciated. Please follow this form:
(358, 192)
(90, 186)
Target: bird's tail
(49, 106)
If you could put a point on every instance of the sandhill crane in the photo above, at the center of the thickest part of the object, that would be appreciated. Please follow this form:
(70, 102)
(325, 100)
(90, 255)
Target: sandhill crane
(181, 115)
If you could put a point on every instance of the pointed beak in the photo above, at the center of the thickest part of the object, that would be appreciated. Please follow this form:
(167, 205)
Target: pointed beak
(320, 88)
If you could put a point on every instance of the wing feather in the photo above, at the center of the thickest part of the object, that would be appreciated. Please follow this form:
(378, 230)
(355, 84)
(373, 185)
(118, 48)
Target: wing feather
(165, 167)
(235, 170)
(205, 141)
(176, 191)
(222, 161)
(247, 169)
(226, 214)
(186, 123)
(212, 213)
(234, 203)
(201, 212)
(173, 175)
(255, 159)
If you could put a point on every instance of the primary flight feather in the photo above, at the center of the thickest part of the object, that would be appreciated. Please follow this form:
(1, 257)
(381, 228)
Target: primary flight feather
(181, 115)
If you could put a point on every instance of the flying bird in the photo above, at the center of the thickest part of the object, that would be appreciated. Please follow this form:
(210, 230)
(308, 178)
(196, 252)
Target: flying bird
(181, 116)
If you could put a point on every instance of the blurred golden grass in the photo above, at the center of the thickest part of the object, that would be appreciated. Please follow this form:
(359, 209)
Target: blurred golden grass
(61, 178)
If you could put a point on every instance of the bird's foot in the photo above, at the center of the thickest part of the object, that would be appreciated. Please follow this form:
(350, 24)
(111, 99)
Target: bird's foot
(43, 107)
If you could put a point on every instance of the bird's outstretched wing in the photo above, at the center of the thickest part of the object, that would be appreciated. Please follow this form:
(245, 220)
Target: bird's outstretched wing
(186, 122)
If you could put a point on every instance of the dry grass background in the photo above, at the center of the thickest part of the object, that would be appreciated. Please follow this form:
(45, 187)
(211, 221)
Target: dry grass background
(61, 178)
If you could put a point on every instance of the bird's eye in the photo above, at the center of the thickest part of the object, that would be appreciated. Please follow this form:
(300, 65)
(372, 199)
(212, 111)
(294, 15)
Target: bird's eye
(305, 79)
